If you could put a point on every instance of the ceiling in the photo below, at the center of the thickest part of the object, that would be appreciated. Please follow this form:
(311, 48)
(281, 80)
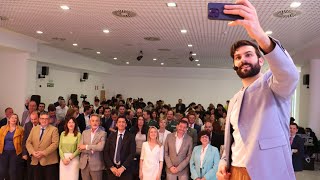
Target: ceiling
(84, 22)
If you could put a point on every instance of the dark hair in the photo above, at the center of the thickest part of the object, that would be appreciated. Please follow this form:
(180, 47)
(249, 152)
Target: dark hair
(7, 109)
(97, 111)
(241, 43)
(203, 133)
(86, 108)
(114, 112)
(42, 103)
(96, 100)
(148, 112)
(294, 124)
(66, 129)
(51, 108)
(76, 106)
(183, 122)
(135, 128)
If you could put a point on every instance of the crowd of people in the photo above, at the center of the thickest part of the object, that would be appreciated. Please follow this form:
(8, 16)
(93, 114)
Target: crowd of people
(112, 139)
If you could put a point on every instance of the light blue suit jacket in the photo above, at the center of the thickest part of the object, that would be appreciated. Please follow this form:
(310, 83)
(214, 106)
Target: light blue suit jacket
(210, 163)
(263, 118)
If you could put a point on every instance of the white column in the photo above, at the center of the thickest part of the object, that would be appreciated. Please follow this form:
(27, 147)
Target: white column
(314, 84)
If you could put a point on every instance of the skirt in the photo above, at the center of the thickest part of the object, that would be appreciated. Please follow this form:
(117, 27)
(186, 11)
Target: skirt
(70, 171)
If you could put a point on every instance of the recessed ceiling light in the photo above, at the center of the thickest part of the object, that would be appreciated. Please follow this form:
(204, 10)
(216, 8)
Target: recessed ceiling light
(98, 52)
(189, 45)
(115, 58)
(171, 4)
(75, 44)
(39, 32)
(65, 7)
(184, 31)
(197, 60)
(295, 4)
(198, 64)
(106, 31)
(127, 63)
(193, 54)
(268, 32)
(162, 64)
(154, 59)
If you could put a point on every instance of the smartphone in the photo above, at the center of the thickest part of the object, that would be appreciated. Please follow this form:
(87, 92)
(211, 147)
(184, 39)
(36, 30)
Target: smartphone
(215, 12)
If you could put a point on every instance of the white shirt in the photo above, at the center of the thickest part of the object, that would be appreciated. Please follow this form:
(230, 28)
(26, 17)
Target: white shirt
(178, 142)
(203, 153)
(87, 119)
(163, 136)
(115, 153)
(61, 112)
(91, 137)
(238, 148)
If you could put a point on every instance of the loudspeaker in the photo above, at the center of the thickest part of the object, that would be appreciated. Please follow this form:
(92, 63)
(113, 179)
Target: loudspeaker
(36, 98)
(85, 76)
(306, 79)
(45, 70)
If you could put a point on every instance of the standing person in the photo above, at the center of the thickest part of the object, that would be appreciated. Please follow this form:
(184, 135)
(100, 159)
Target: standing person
(177, 153)
(297, 148)
(151, 159)
(163, 133)
(140, 133)
(257, 124)
(11, 136)
(42, 145)
(205, 159)
(32, 106)
(34, 121)
(8, 112)
(68, 150)
(91, 146)
(119, 152)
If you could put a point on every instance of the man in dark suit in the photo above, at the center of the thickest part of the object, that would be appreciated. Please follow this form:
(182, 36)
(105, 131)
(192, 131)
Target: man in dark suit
(34, 121)
(110, 126)
(119, 152)
(106, 117)
(8, 112)
(192, 119)
(297, 148)
(217, 139)
(80, 119)
(180, 107)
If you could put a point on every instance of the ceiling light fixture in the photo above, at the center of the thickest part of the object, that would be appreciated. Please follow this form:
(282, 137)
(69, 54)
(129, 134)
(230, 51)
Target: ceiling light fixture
(189, 45)
(39, 32)
(268, 32)
(171, 4)
(106, 31)
(127, 63)
(98, 52)
(64, 7)
(115, 58)
(184, 31)
(198, 64)
(295, 4)
(154, 59)
(197, 60)
(194, 54)
(75, 44)
(162, 64)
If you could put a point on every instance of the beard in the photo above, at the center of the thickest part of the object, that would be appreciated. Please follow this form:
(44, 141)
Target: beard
(254, 70)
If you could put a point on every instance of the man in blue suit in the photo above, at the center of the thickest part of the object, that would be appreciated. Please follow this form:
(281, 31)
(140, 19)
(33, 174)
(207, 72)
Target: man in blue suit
(297, 148)
(257, 143)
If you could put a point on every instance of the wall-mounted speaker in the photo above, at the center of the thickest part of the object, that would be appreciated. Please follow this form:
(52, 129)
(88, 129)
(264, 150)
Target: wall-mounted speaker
(45, 70)
(306, 79)
(85, 76)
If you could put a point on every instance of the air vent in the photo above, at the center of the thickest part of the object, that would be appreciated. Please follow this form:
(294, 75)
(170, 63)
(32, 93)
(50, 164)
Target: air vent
(287, 13)
(124, 13)
(152, 38)
(58, 39)
(164, 50)
(4, 18)
(87, 49)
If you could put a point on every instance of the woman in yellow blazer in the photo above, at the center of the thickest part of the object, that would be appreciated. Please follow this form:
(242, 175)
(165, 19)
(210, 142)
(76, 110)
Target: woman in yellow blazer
(11, 136)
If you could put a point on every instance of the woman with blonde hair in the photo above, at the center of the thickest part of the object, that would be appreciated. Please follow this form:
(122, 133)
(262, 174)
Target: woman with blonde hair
(151, 159)
(11, 136)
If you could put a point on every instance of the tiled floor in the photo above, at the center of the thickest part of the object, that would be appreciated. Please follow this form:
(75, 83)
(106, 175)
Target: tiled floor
(310, 175)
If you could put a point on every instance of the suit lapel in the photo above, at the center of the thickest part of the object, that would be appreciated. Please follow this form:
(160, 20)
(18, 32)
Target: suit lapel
(96, 135)
(125, 137)
(206, 156)
(44, 133)
(183, 142)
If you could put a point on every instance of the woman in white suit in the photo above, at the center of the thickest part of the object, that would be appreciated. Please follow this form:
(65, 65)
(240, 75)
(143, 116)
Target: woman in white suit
(205, 159)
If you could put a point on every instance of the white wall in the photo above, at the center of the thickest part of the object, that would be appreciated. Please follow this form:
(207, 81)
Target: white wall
(303, 105)
(13, 73)
(67, 81)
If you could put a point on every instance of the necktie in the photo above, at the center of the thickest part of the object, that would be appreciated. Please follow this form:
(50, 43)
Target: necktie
(119, 149)
(42, 130)
(291, 139)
